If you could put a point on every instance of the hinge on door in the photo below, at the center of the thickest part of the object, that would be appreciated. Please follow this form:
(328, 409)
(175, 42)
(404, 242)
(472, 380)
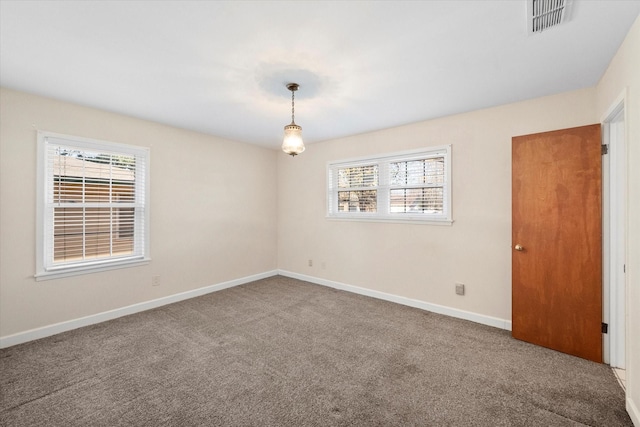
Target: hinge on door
(605, 149)
(605, 328)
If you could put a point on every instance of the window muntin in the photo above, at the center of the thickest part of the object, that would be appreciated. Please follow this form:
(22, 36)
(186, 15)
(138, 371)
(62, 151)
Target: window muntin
(93, 204)
(407, 186)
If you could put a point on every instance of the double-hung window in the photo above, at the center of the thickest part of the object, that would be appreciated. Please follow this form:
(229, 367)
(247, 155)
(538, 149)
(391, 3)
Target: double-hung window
(92, 205)
(406, 186)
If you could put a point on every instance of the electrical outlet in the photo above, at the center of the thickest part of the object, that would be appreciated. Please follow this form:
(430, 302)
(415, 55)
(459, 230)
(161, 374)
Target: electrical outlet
(310, 263)
(460, 288)
(155, 281)
(323, 265)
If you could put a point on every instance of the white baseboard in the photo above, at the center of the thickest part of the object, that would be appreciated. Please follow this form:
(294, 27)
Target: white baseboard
(434, 308)
(57, 328)
(633, 411)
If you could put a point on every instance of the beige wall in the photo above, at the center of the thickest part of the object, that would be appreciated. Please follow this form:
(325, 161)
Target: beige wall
(624, 73)
(423, 262)
(213, 213)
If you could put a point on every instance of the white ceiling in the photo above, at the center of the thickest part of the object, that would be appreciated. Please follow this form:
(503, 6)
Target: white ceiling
(220, 67)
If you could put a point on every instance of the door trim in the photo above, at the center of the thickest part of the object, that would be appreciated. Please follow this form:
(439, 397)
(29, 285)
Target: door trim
(614, 232)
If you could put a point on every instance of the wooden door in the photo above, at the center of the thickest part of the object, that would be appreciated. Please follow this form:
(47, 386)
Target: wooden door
(557, 240)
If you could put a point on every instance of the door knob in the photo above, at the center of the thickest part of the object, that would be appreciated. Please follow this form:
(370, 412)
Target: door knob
(519, 248)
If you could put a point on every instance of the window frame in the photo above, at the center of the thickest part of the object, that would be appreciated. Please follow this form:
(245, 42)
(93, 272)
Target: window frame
(384, 187)
(45, 268)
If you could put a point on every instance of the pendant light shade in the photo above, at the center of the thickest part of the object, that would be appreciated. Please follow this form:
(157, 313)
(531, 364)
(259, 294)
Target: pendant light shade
(292, 143)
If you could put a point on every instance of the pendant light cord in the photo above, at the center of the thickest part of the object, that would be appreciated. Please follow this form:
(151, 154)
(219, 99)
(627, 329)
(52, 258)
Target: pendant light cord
(293, 94)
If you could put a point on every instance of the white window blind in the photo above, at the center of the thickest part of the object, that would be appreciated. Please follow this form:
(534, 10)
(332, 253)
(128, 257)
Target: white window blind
(357, 188)
(407, 186)
(93, 204)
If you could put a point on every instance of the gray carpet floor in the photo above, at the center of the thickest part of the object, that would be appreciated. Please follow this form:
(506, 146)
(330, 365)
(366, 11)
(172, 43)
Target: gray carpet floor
(282, 352)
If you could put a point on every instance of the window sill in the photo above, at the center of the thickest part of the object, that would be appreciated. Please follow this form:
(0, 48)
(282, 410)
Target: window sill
(445, 222)
(76, 271)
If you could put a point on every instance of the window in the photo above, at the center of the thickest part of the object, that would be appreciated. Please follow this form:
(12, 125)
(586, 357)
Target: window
(92, 205)
(407, 186)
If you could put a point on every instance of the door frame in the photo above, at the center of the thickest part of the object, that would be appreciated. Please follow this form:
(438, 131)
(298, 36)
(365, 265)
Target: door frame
(614, 179)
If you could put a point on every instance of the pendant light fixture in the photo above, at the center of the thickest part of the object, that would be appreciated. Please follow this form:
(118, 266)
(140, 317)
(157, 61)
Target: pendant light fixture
(292, 143)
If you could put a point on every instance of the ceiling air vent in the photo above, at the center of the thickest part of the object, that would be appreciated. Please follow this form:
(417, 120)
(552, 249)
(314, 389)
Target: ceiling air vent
(544, 14)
